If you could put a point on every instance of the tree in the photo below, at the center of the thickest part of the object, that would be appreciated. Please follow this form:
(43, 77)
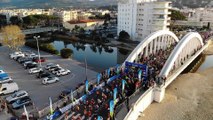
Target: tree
(177, 15)
(12, 37)
(123, 35)
(15, 20)
(3, 20)
(66, 53)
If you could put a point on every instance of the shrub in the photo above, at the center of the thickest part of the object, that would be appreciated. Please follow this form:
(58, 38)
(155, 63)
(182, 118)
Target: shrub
(66, 53)
(123, 35)
(45, 47)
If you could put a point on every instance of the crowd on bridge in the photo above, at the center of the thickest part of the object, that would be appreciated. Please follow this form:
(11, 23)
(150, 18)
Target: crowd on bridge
(118, 84)
(155, 62)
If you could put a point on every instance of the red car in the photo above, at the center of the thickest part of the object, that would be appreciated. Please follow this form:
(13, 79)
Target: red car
(42, 59)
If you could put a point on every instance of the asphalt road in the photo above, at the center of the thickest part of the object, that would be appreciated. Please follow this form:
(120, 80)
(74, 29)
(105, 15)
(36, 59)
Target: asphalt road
(40, 93)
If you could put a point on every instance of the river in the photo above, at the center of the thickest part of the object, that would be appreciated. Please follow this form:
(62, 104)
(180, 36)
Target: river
(96, 56)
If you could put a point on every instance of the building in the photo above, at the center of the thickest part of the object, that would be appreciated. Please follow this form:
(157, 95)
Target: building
(67, 15)
(141, 17)
(86, 24)
(199, 17)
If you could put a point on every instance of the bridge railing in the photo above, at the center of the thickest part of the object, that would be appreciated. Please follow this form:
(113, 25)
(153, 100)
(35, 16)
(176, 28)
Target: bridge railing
(141, 104)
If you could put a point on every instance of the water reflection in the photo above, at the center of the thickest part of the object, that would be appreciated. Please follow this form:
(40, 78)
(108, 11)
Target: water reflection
(207, 63)
(97, 56)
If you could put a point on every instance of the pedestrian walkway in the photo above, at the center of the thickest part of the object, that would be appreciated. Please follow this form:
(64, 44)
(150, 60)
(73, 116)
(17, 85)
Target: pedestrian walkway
(4, 115)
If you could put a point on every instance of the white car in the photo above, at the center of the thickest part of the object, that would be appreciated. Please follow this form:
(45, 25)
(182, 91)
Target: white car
(29, 62)
(49, 80)
(35, 70)
(49, 65)
(16, 54)
(63, 72)
(17, 95)
(6, 80)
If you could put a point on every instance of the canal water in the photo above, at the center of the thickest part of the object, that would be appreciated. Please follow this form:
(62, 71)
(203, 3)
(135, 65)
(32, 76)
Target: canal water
(208, 62)
(97, 56)
(104, 57)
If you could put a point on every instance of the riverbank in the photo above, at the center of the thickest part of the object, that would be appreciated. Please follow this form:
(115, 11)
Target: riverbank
(209, 50)
(189, 97)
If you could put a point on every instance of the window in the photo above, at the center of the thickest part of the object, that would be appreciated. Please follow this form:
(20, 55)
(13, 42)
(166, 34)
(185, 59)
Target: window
(4, 89)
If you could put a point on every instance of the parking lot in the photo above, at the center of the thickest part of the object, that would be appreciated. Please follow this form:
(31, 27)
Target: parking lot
(38, 92)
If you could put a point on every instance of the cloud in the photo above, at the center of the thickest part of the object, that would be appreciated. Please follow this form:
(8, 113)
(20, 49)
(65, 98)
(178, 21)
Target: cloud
(4, 1)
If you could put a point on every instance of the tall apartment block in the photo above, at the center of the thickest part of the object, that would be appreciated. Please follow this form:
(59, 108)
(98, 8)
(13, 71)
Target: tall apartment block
(141, 17)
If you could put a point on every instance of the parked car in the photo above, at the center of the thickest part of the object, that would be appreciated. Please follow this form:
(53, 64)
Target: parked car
(64, 93)
(43, 74)
(63, 72)
(2, 71)
(35, 70)
(3, 75)
(36, 59)
(29, 62)
(23, 60)
(49, 65)
(31, 65)
(16, 95)
(16, 54)
(7, 88)
(56, 70)
(19, 57)
(21, 102)
(6, 80)
(53, 68)
(49, 80)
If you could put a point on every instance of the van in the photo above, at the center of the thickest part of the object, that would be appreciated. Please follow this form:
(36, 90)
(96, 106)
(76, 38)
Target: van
(6, 88)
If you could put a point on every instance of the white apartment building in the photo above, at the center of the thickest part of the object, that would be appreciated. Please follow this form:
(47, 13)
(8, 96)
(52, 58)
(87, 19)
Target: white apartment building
(67, 15)
(199, 17)
(141, 17)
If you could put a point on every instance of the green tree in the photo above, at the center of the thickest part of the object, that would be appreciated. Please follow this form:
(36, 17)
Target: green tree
(66, 53)
(123, 35)
(3, 20)
(177, 15)
(15, 20)
(30, 20)
(12, 37)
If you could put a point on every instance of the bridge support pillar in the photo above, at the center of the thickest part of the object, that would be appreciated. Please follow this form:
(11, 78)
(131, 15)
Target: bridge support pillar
(159, 94)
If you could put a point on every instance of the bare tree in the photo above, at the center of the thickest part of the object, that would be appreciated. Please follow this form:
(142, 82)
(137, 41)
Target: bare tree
(12, 37)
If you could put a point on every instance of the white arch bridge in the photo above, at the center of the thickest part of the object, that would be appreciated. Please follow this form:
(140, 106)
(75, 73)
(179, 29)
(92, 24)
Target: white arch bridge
(171, 55)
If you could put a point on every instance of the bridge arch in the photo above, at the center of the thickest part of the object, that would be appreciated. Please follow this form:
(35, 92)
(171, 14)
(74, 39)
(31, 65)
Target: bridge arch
(186, 47)
(152, 43)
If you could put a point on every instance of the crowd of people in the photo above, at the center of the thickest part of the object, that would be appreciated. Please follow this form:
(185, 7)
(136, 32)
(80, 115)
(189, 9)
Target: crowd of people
(155, 62)
(96, 104)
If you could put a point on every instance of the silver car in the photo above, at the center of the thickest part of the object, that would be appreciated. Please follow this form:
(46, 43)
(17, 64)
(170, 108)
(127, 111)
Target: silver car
(21, 102)
(35, 70)
(17, 95)
(49, 80)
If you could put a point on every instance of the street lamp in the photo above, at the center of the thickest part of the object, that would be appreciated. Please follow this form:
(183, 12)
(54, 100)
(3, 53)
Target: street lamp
(39, 60)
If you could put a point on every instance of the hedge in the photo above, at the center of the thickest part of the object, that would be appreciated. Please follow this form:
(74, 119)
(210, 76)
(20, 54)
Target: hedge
(66, 53)
(47, 47)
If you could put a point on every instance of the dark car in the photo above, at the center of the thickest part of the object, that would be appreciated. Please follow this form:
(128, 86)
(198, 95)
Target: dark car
(36, 59)
(19, 57)
(43, 74)
(31, 65)
(21, 102)
(64, 93)
(22, 61)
